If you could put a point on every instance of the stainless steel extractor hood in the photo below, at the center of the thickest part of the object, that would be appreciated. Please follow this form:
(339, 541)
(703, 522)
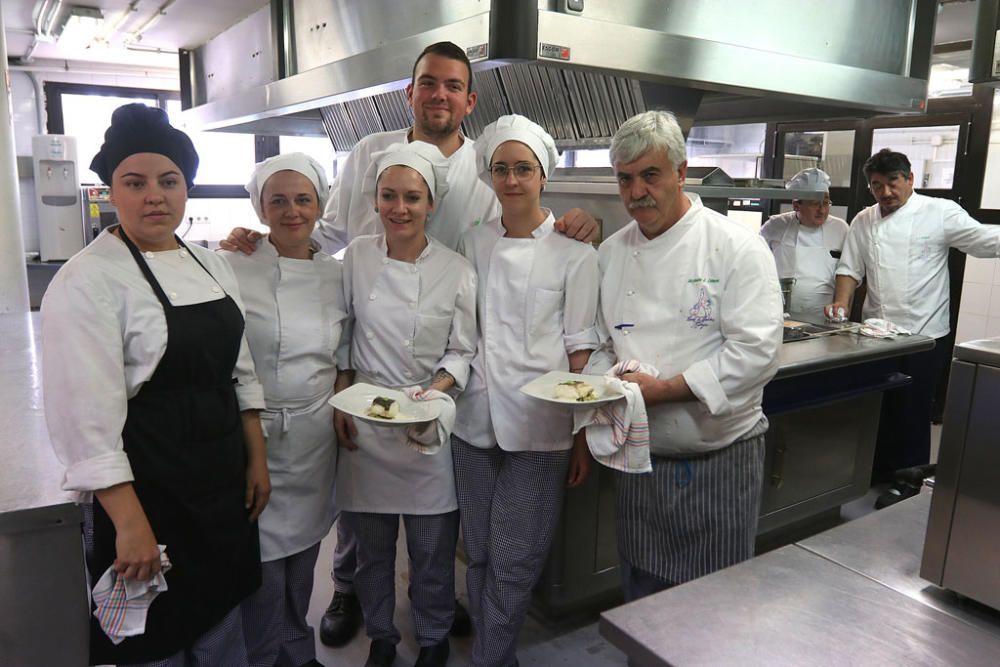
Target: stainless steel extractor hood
(579, 67)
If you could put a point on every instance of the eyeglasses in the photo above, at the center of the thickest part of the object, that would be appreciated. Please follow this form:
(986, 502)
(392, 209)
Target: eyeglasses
(818, 203)
(522, 171)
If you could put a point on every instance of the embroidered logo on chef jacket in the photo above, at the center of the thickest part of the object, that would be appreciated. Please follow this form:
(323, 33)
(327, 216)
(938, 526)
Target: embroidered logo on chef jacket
(924, 245)
(701, 312)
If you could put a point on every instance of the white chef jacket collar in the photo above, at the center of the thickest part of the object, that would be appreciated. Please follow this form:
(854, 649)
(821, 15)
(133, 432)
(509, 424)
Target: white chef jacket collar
(544, 229)
(912, 204)
(461, 135)
(384, 247)
(679, 227)
(264, 245)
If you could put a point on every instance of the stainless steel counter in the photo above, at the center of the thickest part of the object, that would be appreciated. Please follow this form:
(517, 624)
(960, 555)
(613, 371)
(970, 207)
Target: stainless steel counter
(850, 596)
(31, 474)
(887, 547)
(43, 601)
(844, 349)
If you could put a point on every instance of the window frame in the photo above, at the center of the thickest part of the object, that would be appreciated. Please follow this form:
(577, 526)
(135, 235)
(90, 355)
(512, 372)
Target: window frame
(55, 124)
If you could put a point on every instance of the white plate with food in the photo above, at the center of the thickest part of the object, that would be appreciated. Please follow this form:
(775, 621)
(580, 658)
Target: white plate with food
(382, 406)
(572, 389)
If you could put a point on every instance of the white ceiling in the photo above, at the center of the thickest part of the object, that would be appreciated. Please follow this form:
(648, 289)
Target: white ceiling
(185, 24)
(191, 23)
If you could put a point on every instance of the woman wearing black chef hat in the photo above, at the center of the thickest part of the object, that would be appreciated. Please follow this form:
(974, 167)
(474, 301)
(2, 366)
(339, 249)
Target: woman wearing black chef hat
(151, 403)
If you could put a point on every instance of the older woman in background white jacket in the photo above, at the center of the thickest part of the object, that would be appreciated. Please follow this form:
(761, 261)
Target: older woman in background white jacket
(295, 314)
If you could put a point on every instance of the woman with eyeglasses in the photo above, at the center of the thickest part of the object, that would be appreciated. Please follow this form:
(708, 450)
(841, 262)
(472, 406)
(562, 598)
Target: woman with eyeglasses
(514, 455)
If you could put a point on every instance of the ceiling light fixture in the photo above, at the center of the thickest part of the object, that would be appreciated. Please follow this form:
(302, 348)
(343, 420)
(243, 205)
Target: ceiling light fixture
(116, 25)
(136, 35)
(70, 25)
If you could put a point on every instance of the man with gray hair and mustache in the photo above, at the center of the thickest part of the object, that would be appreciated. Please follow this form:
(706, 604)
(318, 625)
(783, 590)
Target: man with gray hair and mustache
(694, 298)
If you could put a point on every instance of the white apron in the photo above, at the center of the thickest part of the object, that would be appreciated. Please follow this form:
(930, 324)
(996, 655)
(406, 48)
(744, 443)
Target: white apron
(295, 314)
(302, 461)
(814, 283)
(384, 475)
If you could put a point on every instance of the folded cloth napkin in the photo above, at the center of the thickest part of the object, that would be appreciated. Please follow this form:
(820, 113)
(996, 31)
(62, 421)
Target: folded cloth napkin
(122, 604)
(878, 328)
(428, 437)
(618, 432)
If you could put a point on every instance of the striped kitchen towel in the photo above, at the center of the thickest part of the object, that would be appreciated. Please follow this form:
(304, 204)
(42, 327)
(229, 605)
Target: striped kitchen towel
(618, 432)
(122, 604)
(429, 437)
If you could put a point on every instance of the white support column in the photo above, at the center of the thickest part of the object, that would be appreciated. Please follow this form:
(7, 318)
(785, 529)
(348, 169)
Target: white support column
(13, 272)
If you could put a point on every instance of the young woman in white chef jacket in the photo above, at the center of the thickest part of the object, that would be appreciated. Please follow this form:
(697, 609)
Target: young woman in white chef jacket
(295, 314)
(414, 307)
(515, 455)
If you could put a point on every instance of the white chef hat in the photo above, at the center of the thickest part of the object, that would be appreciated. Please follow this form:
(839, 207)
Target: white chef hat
(424, 158)
(812, 179)
(299, 162)
(515, 128)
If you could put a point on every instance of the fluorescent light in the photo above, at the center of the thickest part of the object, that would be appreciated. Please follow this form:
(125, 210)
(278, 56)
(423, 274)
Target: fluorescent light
(82, 27)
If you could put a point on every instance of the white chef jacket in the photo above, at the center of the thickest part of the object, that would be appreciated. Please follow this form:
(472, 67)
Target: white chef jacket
(409, 321)
(905, 258)
(803, 253)
(294, 316)
(537, 303)
(103, 335)
(702, 300)
(349, 213)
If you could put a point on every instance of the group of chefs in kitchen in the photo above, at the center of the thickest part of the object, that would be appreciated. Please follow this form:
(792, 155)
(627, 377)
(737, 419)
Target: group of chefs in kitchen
(187, 392)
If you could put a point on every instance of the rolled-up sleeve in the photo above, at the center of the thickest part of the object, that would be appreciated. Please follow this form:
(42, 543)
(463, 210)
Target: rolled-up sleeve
(751, 325)
(583, 280)
(463, 336)
(84, 387)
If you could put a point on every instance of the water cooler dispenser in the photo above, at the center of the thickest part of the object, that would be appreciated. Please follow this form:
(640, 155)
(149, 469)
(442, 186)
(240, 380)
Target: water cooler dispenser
(57, 196)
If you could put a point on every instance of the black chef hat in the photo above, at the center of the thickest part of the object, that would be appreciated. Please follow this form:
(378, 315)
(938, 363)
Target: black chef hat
(137, 128)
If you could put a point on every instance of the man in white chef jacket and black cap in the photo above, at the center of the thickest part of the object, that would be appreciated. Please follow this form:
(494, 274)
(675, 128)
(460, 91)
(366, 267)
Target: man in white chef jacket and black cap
(900, 246)
(695, 299)
(806, 243)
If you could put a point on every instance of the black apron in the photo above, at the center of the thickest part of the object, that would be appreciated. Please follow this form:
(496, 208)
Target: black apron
(184, 439)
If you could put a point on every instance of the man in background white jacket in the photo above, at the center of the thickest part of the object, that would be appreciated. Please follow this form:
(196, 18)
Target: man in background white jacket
(695, 296)
(807, 242)
(900, 246)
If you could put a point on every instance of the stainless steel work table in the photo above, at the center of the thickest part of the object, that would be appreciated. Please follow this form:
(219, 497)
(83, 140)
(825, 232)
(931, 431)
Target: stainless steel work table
(843, 349)
(849, 596)
(43, 602)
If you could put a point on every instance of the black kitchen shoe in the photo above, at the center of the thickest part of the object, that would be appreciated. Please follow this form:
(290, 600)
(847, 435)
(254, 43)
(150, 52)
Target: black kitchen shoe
(341, 620)
(381, 654)
(433, 656)
(461, 625)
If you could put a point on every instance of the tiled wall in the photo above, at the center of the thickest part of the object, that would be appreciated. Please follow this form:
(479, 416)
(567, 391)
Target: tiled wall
(212, 219)
(979, 315)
